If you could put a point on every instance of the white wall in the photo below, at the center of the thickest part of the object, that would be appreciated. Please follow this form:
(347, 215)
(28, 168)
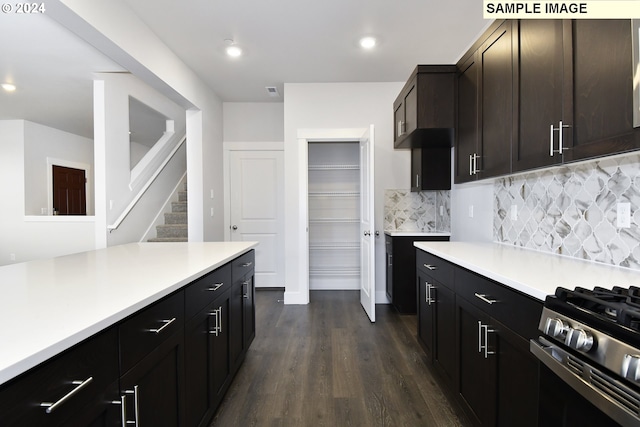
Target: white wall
(27, 238)
(42, 142)
(338, 106)
(253, 121)
(116, 30)
(479, 196)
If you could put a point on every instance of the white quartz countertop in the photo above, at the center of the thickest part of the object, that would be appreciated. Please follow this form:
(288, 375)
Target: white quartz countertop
(534, 273)
(47, 306)
(417, 233)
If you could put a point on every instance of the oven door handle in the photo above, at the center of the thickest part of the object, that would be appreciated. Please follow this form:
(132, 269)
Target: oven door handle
(555, 357)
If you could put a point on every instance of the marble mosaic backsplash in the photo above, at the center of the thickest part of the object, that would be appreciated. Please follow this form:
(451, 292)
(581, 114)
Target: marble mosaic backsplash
(572, 210)
(418, 211)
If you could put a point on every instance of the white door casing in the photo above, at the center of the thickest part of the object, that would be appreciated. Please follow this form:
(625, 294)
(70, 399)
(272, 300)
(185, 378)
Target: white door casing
(256, 209)
(367, 225)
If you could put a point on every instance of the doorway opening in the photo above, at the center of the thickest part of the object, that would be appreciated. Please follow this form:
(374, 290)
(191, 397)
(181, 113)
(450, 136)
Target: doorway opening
(69, 190)
(334, 215)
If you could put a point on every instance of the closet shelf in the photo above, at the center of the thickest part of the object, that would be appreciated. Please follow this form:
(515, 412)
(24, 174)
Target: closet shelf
(335, 246)
(333, 167)
(335, 271)
(334, 220)
(334, 194)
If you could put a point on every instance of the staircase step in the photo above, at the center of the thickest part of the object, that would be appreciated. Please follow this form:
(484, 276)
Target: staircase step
(178, 206)
(169, 239)
(175, 218)
(172, 230)
(182, 196)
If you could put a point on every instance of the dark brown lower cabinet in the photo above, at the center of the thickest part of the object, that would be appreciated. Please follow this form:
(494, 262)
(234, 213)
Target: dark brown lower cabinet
(153, 389)
(207, 360)
(476, 334)
(498, 378)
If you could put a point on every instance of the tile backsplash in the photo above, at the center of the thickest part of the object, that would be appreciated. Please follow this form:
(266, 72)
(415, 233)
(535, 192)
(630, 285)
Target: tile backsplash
(418, 211)
(572, 210)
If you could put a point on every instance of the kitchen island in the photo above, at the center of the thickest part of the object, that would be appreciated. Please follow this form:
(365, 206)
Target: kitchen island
(57, 306)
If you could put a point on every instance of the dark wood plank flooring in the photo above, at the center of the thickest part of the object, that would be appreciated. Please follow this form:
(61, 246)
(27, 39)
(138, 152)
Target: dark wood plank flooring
(325, 364)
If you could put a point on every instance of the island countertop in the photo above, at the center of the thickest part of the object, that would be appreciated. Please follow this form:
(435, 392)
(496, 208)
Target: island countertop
(47, 306)
(534, 273)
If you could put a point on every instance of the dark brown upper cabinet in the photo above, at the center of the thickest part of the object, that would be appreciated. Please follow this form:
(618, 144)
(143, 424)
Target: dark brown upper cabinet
(424, 112)
(485, 108)
(573, 91)
(566, 96)
(431, 169)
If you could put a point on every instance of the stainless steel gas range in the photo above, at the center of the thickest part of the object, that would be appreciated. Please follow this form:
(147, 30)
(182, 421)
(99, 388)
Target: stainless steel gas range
(590, 349)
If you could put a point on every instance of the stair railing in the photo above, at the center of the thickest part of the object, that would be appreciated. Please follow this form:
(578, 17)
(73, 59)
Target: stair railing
(136, 199)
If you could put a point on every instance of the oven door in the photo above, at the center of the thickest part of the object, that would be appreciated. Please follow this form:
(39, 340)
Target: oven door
(573, 392)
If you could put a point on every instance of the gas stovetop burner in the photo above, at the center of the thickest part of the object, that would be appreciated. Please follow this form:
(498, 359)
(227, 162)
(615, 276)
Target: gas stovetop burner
(613, 311)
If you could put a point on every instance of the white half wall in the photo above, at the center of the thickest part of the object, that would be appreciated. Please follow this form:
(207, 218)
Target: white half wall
(26, 238)
(337, 106)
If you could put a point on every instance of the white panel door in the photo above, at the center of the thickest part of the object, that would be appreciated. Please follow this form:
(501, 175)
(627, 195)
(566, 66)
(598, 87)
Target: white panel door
(256, 189)
(367, 226)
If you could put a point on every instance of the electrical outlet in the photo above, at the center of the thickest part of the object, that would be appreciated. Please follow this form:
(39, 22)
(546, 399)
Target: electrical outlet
(514, 212)
(623, 215)
(470, 211)
(211, 211)
(12, 257)
(441, 210)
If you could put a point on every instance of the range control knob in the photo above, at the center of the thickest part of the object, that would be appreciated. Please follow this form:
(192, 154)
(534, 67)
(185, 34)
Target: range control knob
(631, 367)
(579, 339)
(555, 328)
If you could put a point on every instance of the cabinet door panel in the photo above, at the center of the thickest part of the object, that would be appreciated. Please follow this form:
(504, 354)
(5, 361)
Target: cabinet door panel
(445, 324)
(541, 77)
(411, 110)
(159, 381)
(497, 103)
(477, 374)
(468, 120)
(517, 398)
(425, 314)
(602, 79)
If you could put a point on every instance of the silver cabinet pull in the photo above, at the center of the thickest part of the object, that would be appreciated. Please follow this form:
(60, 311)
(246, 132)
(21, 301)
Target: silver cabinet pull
(483, 335)
(80, 385)
(166, 324)
(430, 267)
(429, 299)
(136, 407)
(216, 287)
(561, 127)
(418, 181)
(123, 410)
(484, 298)
(470, 164)
(247, 264)
(401, 127)
(217, 314)
(245, 293)
(390, 260)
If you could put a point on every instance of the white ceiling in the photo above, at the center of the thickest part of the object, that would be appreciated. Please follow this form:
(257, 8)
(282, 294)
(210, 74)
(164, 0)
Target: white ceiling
(293, 41)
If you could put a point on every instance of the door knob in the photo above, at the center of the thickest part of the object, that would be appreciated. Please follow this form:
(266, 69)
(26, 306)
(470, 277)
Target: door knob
(235, 227)
(367, 233)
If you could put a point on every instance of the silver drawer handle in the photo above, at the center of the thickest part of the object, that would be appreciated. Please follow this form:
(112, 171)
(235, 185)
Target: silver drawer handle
(166, 324)
(247, 264)
(484, 298)
(53, 406)
(216, 287)
(430, 267)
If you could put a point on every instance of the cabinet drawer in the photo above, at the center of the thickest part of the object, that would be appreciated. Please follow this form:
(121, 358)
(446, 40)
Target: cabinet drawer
(243, 265)
(520, 312)
(148, 328)
(81, 374)
(435, 267)
(205, 289)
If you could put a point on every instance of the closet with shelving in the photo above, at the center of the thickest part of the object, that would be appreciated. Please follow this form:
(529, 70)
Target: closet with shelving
(334, 215)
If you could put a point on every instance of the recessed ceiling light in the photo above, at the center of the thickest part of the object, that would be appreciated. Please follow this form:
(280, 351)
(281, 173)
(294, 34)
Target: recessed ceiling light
(234, 51)
(8, 87)
(368, 42)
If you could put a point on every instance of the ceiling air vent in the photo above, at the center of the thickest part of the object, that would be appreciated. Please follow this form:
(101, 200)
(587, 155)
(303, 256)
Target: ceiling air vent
(272, 91)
